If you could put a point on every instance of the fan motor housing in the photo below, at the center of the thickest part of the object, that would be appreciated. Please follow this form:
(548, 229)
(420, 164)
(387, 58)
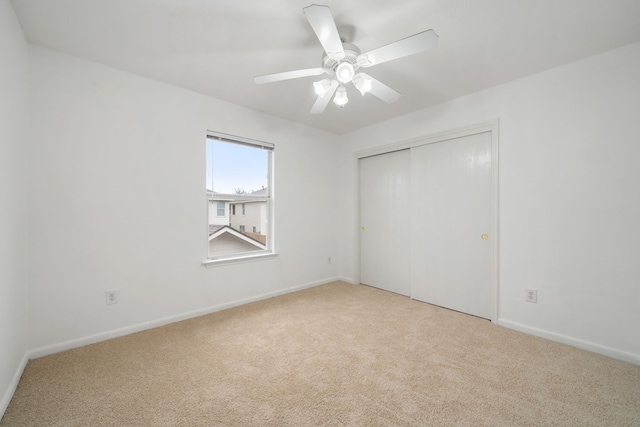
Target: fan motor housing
(351, 53)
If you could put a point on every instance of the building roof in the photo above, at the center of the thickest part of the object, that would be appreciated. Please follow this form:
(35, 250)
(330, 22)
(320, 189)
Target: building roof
(217, 230)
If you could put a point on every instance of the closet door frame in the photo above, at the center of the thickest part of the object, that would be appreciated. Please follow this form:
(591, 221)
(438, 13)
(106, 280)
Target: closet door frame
(492, 127)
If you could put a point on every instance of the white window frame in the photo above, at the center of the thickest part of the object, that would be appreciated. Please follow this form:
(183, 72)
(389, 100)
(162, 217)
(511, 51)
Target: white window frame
(270, 247)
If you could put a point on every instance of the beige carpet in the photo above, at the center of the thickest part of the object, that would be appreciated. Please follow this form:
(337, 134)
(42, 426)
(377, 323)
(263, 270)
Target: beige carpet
(334, 355)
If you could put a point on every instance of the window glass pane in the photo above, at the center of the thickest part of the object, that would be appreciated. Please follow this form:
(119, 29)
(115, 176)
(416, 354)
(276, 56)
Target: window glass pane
(236, 168)
(238, 174)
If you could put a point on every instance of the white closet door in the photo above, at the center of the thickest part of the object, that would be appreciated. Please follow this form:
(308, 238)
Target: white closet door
(384, 221)
(451, 224)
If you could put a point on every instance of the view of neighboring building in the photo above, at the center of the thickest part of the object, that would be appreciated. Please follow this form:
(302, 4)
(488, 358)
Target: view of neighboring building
(224, 240)
(250, 216)
(218, 208)
(237, 224)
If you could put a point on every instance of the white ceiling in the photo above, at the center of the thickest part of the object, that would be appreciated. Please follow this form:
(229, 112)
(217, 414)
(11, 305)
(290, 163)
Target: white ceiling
(216, 47)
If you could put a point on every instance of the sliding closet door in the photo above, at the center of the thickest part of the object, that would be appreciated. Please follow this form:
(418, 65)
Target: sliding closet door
(384, 221)
(451, 224)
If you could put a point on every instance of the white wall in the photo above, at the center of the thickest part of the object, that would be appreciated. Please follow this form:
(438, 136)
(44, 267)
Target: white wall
(14, 178)
(118, 202)
(569, 211)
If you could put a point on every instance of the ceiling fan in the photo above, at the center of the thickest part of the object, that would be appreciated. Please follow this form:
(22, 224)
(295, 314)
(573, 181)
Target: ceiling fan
(342, 61)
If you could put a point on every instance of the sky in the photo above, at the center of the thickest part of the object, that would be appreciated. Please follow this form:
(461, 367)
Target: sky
(231, 166)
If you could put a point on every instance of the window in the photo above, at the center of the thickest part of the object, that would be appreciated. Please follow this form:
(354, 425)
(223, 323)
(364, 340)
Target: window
(239, 171)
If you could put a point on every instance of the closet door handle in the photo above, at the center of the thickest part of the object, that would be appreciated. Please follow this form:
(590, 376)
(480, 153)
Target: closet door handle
(485, 237)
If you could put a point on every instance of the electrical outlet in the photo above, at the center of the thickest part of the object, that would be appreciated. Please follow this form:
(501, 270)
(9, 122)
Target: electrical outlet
(112, 297)
(532, 295)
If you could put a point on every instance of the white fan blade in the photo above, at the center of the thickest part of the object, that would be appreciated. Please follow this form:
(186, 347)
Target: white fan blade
(382, 91)
(322, 101)
(411, 45)
(268, 78)
(324, 26)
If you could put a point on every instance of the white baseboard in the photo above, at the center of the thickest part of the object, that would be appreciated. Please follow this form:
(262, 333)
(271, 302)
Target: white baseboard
(574, 342)
(92, 339)
(6, 399)
(347, 280)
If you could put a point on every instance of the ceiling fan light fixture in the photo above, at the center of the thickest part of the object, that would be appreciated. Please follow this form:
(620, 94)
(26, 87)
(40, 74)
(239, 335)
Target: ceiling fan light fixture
(341, 60)
(322, 87)
(341, 98)
(345, 72)
(362, 82)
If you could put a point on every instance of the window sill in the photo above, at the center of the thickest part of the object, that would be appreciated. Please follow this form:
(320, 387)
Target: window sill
(237, 260)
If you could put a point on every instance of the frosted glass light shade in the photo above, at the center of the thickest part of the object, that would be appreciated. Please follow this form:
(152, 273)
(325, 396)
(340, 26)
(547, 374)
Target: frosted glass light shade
(322, 87)
(363, 83)
(341, 98)
(344, 72)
